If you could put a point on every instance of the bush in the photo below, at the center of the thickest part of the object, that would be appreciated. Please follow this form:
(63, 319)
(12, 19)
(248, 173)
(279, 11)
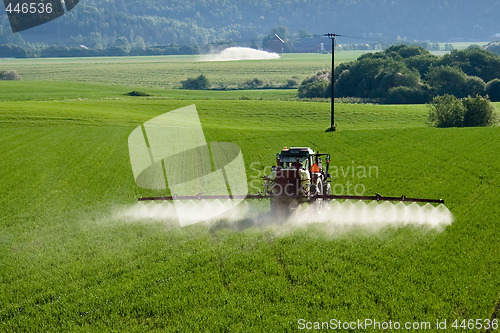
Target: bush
(493, 90)
(447, 111)
(136, 93)
(316, 89)
(317, 86)
(9, 75)
(199, 83)
(252, 84)
(479, 112)
(291, 83)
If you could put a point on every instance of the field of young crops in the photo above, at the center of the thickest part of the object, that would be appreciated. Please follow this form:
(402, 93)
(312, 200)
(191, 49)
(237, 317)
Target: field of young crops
(70, 260)
(168, 71)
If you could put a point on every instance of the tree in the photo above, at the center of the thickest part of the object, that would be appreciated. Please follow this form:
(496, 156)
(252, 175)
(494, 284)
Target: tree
(303, 34)
(493, 90)
(55, 51)
(122, 43)
(474, 61)
(475, 86)
(446, 80)
(408, 95)
(422, 63)
(405, 51)
(13, 51)
(139, 43)
(373, 77)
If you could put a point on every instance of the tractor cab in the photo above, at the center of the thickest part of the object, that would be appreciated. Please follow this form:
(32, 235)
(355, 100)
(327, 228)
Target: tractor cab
(305, 158)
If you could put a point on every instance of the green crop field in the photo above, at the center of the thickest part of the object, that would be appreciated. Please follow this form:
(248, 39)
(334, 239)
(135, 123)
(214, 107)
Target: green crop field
(167, 71)
(71, 262)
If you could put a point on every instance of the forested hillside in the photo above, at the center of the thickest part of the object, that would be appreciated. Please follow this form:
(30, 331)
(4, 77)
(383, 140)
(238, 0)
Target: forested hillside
(97, 23)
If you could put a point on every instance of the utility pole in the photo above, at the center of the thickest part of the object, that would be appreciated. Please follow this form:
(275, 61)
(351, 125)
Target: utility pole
(332, 124)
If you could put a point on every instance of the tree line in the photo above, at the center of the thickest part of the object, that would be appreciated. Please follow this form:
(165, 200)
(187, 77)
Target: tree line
(410, 74)
(98, 24)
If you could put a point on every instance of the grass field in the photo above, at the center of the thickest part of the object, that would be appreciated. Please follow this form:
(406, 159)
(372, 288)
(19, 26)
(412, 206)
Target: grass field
(69, 262)
(167, 71)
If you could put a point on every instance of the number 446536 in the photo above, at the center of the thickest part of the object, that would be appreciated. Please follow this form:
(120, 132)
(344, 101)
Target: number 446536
(30, 8)
(476, 324)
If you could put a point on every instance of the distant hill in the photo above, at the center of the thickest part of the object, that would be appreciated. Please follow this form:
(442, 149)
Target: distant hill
(102, 22)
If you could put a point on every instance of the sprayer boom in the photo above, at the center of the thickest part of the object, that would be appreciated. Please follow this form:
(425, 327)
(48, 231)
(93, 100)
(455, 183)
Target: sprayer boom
(376, 197)
(300, 176)
(200, 196)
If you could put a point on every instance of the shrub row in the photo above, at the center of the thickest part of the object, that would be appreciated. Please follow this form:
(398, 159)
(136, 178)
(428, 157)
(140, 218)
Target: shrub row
(202, 83)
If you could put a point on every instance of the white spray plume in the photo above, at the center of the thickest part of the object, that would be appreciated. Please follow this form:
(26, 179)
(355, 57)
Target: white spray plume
(372, 215)
(240, 53)
(334, 216)
(188, 211)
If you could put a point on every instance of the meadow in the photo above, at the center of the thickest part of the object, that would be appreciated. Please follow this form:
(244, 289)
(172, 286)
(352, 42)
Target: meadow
(70, 262)
(167, 71)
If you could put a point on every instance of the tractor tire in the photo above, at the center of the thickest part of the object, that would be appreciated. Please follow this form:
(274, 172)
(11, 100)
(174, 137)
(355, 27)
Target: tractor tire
(316, 189)
(327, 190)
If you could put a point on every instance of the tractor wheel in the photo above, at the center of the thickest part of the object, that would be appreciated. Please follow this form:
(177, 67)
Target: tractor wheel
(318, 202)
(327, 190)
(316, 189)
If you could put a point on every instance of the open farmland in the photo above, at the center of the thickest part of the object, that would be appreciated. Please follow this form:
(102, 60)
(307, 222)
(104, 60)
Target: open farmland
(70, 262)
(167, 71)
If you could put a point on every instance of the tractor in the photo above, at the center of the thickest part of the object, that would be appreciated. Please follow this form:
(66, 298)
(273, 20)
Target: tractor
(298, 177)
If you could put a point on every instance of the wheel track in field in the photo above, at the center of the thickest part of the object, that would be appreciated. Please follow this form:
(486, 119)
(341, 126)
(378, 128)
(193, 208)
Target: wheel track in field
(220, 263)
(277, 253)
(280, 261)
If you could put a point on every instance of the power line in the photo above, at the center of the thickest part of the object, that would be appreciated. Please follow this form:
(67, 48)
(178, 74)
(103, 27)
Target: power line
(332, 36)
